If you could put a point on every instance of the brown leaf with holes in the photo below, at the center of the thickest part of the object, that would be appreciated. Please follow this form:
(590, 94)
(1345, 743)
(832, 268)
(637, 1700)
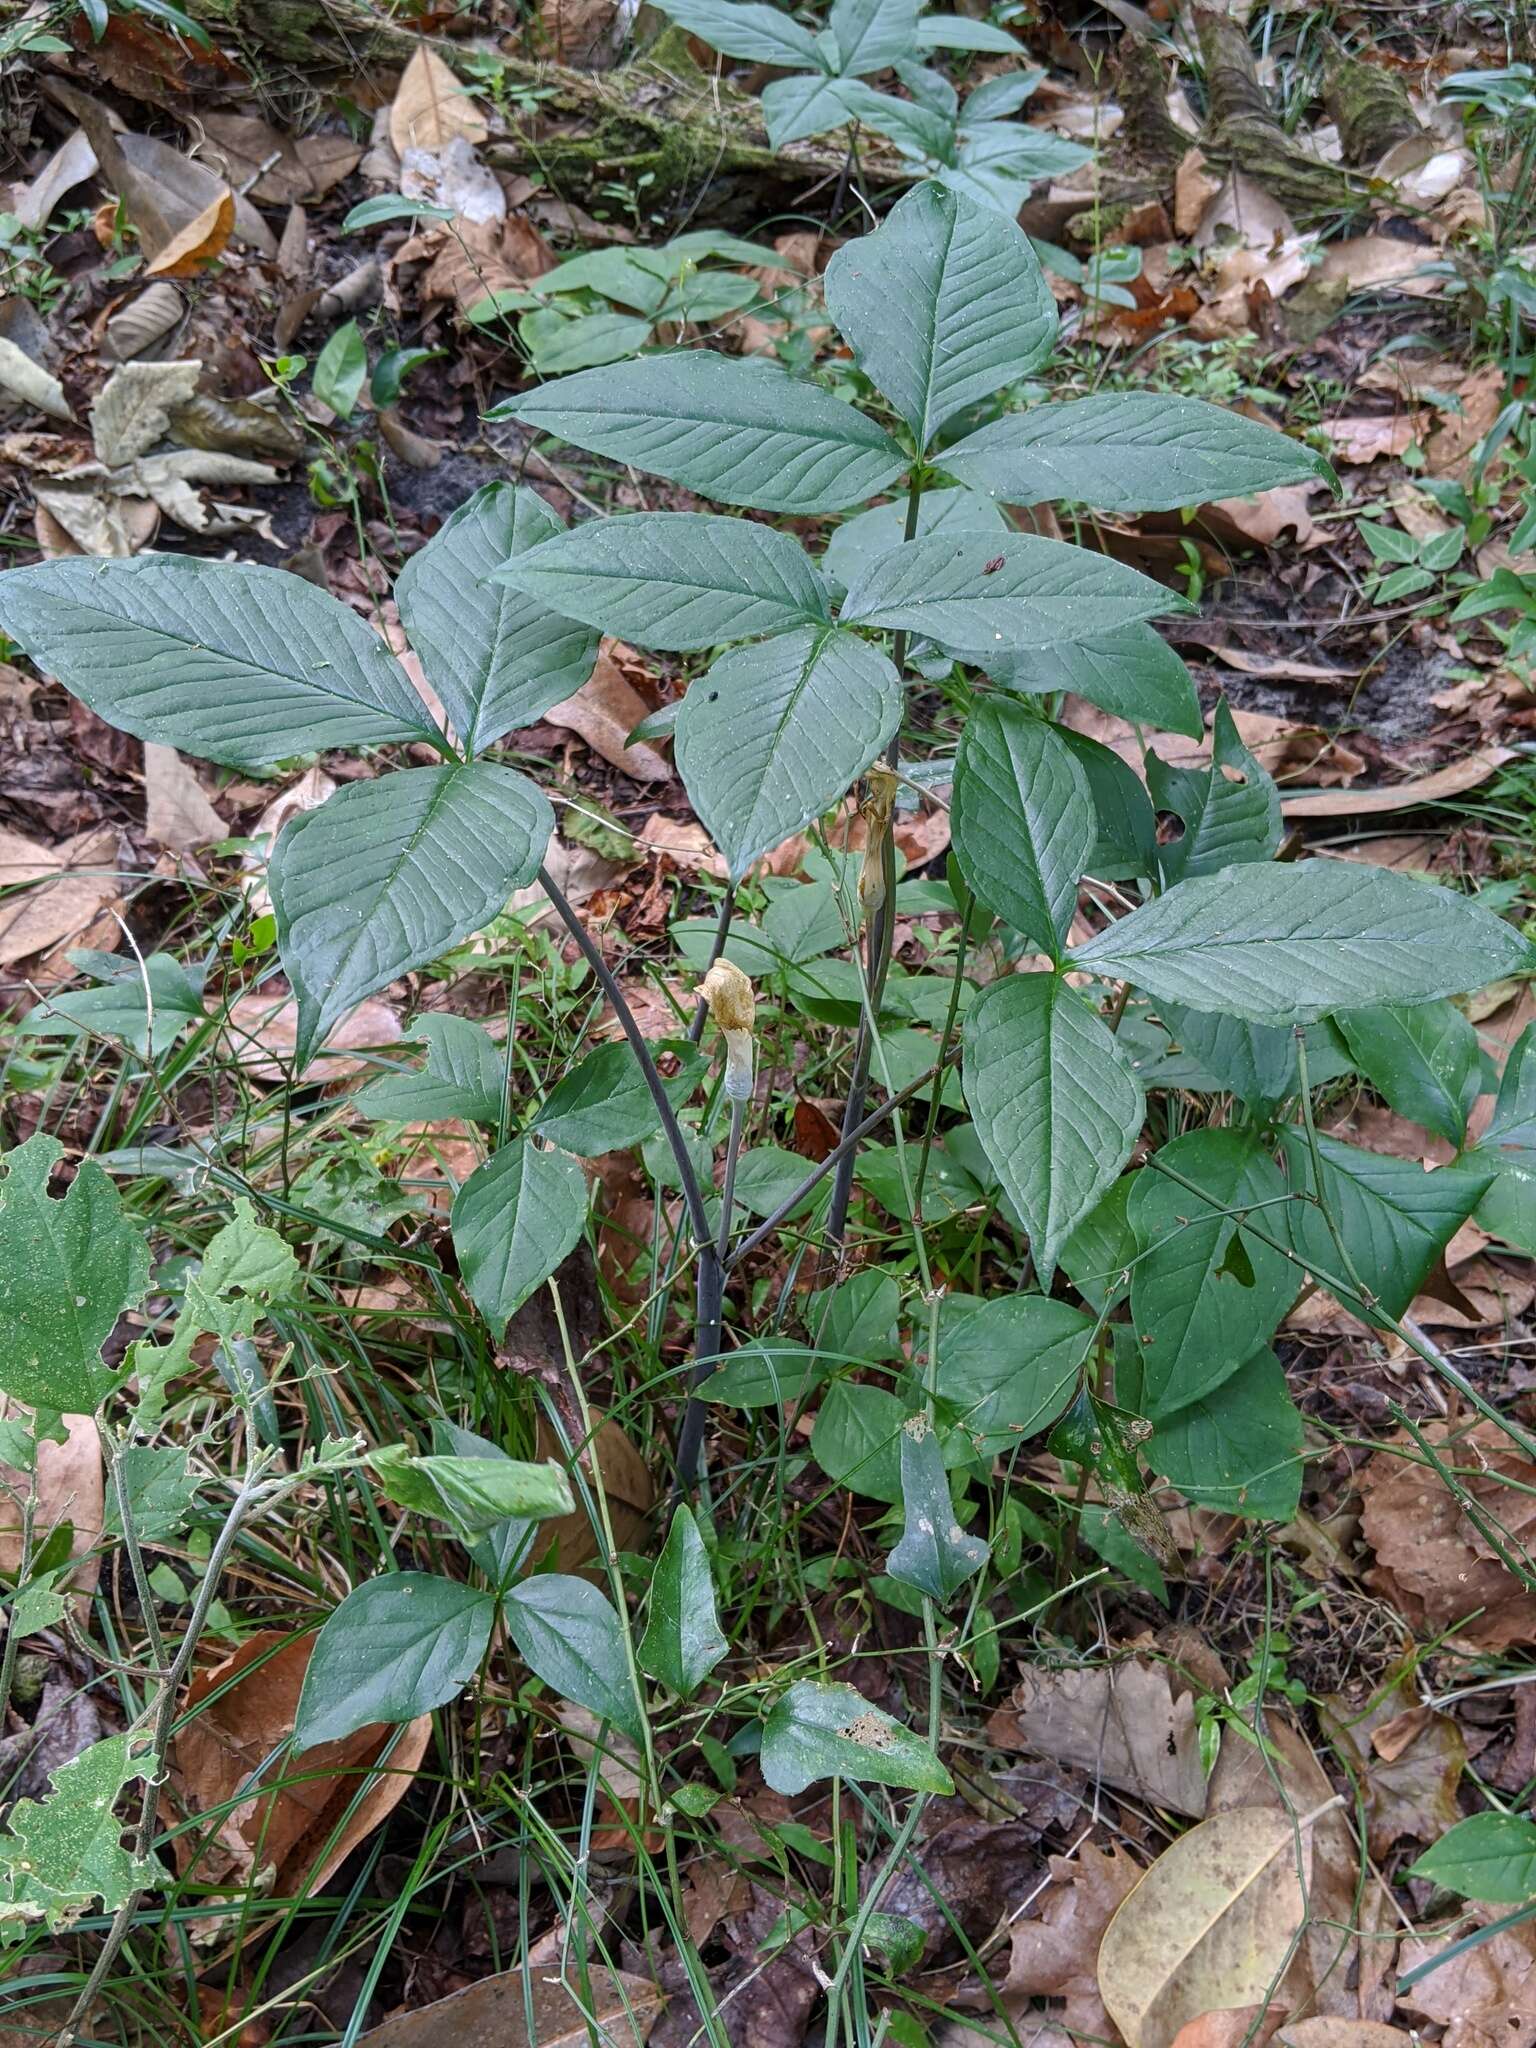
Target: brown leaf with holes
(1485, 1997)
(1432, 1562)
(236, 1713)
(1122, 1723)
(201, 241)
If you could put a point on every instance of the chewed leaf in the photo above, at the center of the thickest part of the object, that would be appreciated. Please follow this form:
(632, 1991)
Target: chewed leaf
(831, 1731)
(64, 1853)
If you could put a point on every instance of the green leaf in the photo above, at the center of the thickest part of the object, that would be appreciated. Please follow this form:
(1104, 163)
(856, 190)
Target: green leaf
(68, 1269)
(959, 32)
(1230, 810)
(773, 735)
(868, 535)
(871, 35)
(919, 132)
(604, 1105)
(856, 1436)
(1512, 1127)
(970, 590)
(943, 304)
(1133, 673)
(568, 1635)
(742, 431)
(1424, 1061)
(683, 1641)
(397, 1646)
(1490, 1857)
(147, 1006)
(830, 1731)
(388, 206)
(807, 104)
(1206, 1293)
(770, 1373)
(1254, 1062)
(1131, 451)
(1007, 1369)
(557, 343)
(1395, 1218)
(1057, 1104)
(238, 664)
(160, 1488)
(388, 874)
(1125, 824)
(393, 368)
(1023, 821)
(64, 1853)
(760, 34)
(1508, 1146)
(514, 1220)
(497, 658)
(246, 1257)
(934, 1554)
(463, 1080)
(474, 1494)
(1238, 1450)
(1286, 944)
(340, 370)
(856, 1319)
(675, 579)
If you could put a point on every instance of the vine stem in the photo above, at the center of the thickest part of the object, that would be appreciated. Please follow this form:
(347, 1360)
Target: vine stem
(878, 955)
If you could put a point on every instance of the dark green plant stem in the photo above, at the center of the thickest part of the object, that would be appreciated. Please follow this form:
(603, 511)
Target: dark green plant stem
(717, 947)
(878, 956)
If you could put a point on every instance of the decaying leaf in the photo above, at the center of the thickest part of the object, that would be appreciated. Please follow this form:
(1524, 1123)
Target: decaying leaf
(1054, 1950)
(177, 813)
(1123, 1723)
(569, 2010)
(70, 165)
(276, 169)
(142, 321)
(134, 408)
(289, 1833)
(204, 238)
(31, 383)
(1485, 1997)
(626, 1482)
(1407, 1759)
(431, 106)
(74, 881)
(605, 710)
(69, 1488)
(1209, 1926)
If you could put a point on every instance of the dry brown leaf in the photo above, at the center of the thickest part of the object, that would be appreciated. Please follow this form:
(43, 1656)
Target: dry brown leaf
(69, 1487)
(70, 165)
(134, 408)
(1366, 437)
(1121, 1723)
(235, 1714)
(177, 813)
(1269, 517)
(431, 106)
(1407, 1759)
(241, 148)
(1054, 1951)
(142, 321)
(1195, 186)
(1231, 2028)
(494, 2013)
(1449, 448)
(685, 841)
(75, 881)
(626, 1482)
(1485, 1997)
(605, 710)
(1452, 780)
(1322, 2031)
(36, 387)
(1211, 1923)
(199, 242)
(264, 1029)
(479, 258)
(1432, 1564)
(1374, 262)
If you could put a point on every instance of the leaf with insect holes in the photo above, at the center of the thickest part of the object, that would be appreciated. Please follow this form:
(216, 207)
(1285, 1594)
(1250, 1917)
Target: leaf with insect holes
(63, 1854)
(397, 1646)
(675, 579)
(235, 663)
(568, 1635)
(935, 1554)
(745, 432)
(1131, 451)
(1282, 943)
(1056, 1100)
(387, 875)
(473, 1494)
(943, 305)
(771, 736)
(497, 657)
(1395, 1219)
(683, 1642)
(830, 1731)
(1023, 821)
(977, 590)
(68, 1270)
(514, 1220)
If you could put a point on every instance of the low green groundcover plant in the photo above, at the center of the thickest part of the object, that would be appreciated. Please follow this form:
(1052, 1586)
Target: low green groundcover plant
(1137, 1325)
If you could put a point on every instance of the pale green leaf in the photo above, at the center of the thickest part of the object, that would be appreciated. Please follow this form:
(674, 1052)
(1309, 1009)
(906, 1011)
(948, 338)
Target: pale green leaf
(1491, 1857)
(1132, 673)
(64, 1854)
(868, 535)
(474, 1494)
(744, 28)
(871, 35)
(514, 1220)
(807, 104)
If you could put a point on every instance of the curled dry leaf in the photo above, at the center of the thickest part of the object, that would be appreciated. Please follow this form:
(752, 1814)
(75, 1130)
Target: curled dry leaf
(1210, 1925)
(235, 1714)
(612, 2007)
(1452, 780)
(69, 1489)
(70, 165)
(1432, 1562)
(142, 321)
(31, 383)
(605, 710)
(431, 107)
(203, 239)
(1122, 1723)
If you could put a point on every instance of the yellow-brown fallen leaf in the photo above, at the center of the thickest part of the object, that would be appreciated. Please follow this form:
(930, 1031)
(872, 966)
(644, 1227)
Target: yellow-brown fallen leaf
(177, 812)
(569, 2011)
(431, 106)
(199, 242)
(74, 881)
(1448, 451)
(264, 1029)
(626, 1482)
(1366, 437)
(69, 1488)
(1322, 2031)
(1245, 2026)
(1372, 262)
(1452, 780)
(1209, 1926)
(235, 1714)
